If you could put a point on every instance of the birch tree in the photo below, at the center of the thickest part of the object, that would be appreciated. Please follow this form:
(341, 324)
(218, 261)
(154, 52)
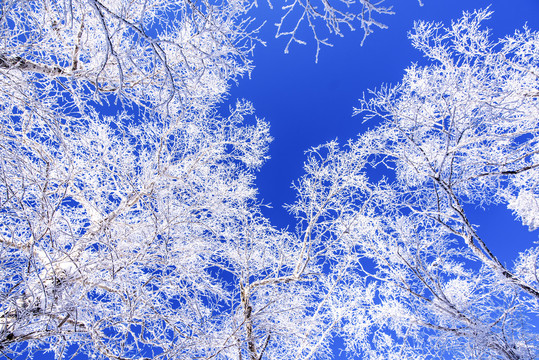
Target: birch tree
(95, 197)
(461, 131)
(146, 52)
(129, 221)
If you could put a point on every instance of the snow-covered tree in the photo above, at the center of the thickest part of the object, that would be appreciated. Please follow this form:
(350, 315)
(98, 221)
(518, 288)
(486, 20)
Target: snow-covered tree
(129, 225)
(461, 131)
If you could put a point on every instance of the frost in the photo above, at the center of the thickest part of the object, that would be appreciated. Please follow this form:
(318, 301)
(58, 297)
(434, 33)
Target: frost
(526, 207)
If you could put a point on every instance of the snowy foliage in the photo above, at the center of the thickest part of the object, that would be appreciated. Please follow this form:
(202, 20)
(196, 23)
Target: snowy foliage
(129, 224)
(463, 130)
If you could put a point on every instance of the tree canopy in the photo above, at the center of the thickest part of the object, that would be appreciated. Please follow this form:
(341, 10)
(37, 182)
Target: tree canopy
(130, 226)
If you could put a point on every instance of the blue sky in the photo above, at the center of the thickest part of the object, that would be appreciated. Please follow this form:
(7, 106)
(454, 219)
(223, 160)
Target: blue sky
(308, 103)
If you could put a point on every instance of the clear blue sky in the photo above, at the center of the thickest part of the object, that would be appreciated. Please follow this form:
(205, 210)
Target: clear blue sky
(308, 104)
